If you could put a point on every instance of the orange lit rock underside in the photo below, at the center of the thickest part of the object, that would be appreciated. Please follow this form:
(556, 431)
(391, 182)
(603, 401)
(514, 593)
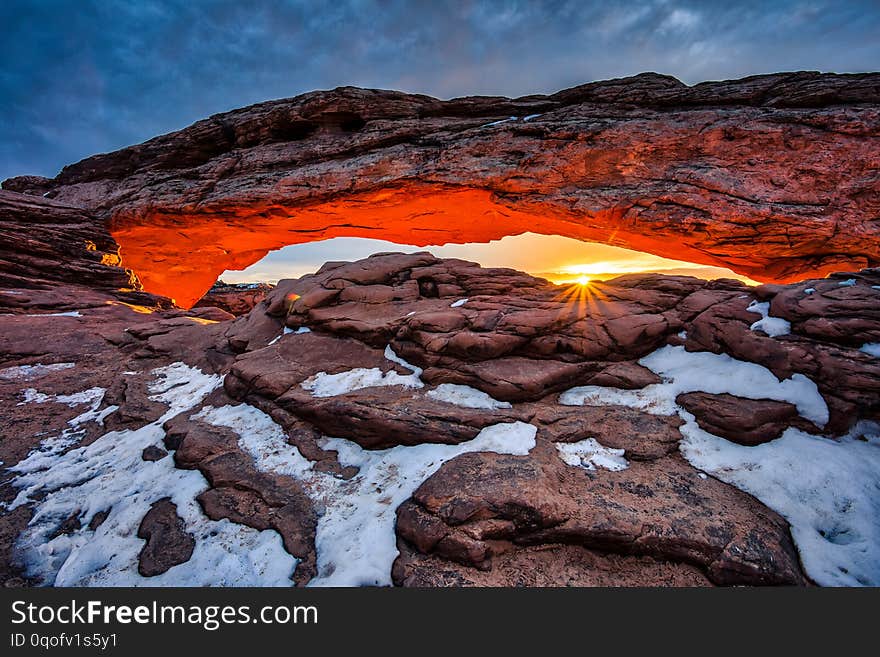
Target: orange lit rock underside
(775, 177)
(182, 262)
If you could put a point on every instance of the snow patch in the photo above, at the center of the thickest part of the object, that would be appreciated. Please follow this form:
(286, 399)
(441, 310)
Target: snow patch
(529, 117)
(29, 372)
(394, 358)
(591, 454)
(826, 489)
(686, 371)
(110, 475)
(465, 396)
(809, 290)
(355, 539)
(772, 326)
(330, 385)
(90, 396)
(54, 445)
(849, 282)
(458, 304)
(287, 331)
(509, 118)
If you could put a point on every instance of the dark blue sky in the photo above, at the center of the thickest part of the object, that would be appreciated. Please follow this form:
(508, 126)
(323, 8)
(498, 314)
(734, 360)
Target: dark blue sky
(87, 76)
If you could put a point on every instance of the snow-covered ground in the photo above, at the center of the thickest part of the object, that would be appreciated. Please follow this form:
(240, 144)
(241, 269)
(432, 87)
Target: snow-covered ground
(111, 474)
(825, 488)
(75, 431)
(686, 371)
(355, 539)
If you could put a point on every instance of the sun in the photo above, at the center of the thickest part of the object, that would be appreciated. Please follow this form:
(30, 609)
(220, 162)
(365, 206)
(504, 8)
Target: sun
(583, 280)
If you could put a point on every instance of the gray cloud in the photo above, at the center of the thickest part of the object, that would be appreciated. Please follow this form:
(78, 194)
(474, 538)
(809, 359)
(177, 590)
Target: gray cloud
(95, 75)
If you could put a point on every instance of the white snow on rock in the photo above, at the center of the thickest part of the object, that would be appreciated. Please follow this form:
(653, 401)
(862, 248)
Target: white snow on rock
(330, 385)
(826, 489)
(686, 371)
(591, 454)
(529, 117)
(90, 396)
(809, 290)
(29, 372)
(69, 313)
(459, 303)
(849, 282)
(48, 448)
(772, 326)
(871, 348)
(355, 538)
(110, 474)
(287, 330)
(509, 118)
(394, 358)
(465, 396)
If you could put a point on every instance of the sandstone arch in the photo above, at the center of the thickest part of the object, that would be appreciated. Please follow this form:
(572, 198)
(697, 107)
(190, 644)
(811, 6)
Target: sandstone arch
(775, 177)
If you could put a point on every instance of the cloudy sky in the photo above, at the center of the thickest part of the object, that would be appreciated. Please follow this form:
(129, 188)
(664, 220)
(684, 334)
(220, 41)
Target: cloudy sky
(95, 75)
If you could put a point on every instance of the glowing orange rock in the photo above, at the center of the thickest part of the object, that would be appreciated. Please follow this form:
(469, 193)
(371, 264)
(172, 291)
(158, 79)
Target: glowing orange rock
(772, 176)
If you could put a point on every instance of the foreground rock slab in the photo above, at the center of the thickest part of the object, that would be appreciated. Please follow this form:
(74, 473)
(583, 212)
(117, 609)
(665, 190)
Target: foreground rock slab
(342, 388)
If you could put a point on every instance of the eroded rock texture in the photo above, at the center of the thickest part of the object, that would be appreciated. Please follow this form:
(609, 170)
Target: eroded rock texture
(773, 176)
(234, 299)
(238, 435)
(54, 256)
(167, 542)
(481, 518)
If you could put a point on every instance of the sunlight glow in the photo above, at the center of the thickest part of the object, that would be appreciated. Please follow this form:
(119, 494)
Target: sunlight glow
(561, 260)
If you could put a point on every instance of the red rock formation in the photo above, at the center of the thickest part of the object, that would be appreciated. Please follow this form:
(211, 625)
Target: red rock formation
(58, 257)
(482, 519)
(234, 299)
(772, 176)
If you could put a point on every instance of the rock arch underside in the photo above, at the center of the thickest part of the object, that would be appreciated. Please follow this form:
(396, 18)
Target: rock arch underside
(774, 177)
(411, 420)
